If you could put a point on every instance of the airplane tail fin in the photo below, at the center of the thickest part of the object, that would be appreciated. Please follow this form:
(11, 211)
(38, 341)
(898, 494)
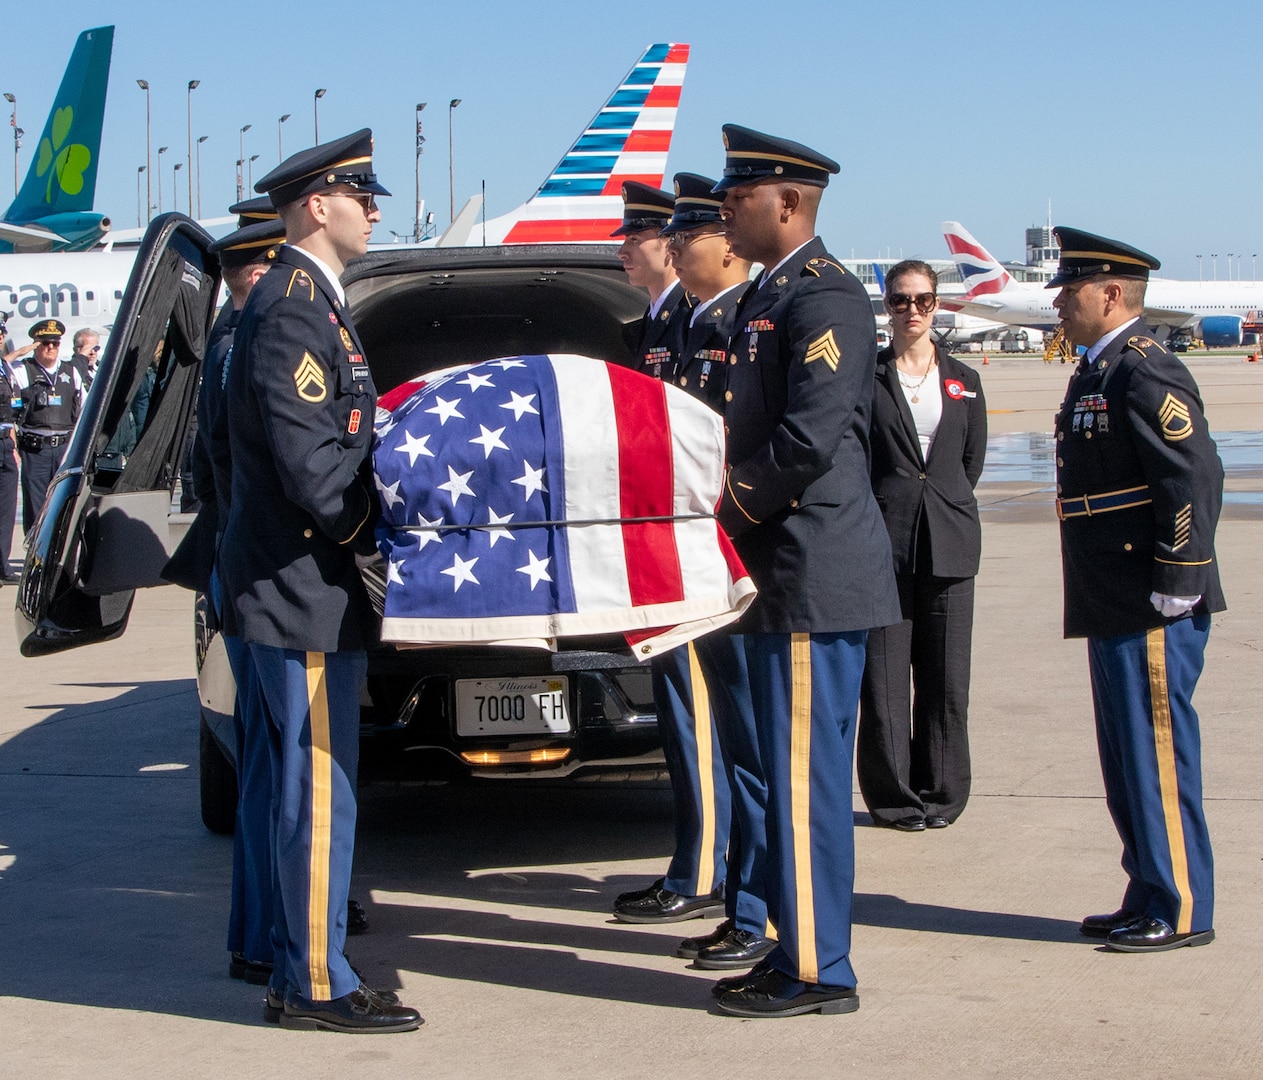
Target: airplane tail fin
(981, 272)
(881, 279)
(62, 176)
(628, 139)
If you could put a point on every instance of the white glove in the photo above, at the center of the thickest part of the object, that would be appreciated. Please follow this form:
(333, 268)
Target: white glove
(1173, 606)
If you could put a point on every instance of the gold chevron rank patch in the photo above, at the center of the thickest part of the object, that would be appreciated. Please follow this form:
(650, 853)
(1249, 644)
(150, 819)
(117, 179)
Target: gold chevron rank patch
(309, 380)
(1183, 526)
(1175, 418)
(824, 348)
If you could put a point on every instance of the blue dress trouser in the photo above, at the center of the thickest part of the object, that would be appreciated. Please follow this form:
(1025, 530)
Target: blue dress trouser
(699, 786)
(38, 468)
(8, 497)
(1151, 760)
(312, 704)
(806, 691)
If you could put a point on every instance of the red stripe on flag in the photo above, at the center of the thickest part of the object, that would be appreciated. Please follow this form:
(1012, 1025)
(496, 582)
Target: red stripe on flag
(679, 54)
(645, 141)
(646, 486)
(663, 97)
(562, 231)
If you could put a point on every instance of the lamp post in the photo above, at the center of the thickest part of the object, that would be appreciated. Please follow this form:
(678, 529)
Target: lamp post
(161, 150)
(315, 110)
(451, 168)
(175, 190)
(1230, 266)
(280, 152)
(139, 169)
(17, 139)
(200, 139)
(241, 159)
(416, 229)
(144, 85)
(193, 85)
(1214, 267)
(1199, 268)
(250, 168)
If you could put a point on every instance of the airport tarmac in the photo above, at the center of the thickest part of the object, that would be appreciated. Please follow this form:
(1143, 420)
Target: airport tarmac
(488, 904)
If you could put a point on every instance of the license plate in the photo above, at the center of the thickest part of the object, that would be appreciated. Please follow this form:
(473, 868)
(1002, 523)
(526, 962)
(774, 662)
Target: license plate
(526, 706)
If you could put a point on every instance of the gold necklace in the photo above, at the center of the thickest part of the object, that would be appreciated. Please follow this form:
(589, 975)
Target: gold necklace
(916, 387)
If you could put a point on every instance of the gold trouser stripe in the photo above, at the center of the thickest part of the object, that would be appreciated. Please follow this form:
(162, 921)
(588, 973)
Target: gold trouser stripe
(705, 774)
(1168, 782)
(800, 802)
(321, 828)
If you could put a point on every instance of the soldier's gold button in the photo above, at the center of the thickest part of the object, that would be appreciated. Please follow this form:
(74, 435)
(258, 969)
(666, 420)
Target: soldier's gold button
(1126, 547)
(793, 503)
(727, 395)
(1060, 463)
(1104, 364)
(1087, 434)
(1060, 436)
(684, 381)
(732, 359)
(306, 534)
(1058, 489)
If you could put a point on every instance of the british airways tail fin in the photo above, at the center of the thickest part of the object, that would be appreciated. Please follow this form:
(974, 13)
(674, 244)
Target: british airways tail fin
(628, 139)
(55, 200)
(981, 272)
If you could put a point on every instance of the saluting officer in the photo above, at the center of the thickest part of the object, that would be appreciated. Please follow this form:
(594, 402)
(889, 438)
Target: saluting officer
(300, 405)
(1140, 486)
(48, 397)
(710, 270)
(694, 882)
(801, 512)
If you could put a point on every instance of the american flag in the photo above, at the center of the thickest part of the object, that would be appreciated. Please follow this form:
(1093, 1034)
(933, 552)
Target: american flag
(537, 497)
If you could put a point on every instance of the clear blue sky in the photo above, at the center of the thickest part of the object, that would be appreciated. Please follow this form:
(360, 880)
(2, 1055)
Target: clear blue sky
(1133, 118)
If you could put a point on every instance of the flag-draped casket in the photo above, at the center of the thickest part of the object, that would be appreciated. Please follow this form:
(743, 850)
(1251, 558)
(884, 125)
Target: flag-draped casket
(537, 497)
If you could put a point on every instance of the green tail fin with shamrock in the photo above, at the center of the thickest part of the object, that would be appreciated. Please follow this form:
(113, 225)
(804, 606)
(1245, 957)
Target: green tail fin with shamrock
(62, 175)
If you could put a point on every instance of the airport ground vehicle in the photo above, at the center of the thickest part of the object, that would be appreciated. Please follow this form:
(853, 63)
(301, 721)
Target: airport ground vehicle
(108, 525)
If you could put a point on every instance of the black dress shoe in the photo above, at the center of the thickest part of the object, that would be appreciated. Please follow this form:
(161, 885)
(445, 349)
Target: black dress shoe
(659, 905)
(936, 821)
(256, 972)
(1101, 926)
(274, 1002)
(911, 823)
(776, 994)
(691, 946)
(359, 1012)
(638, 894)
(1153, 935)
(356, 919)
(739, 949)
(736, 982)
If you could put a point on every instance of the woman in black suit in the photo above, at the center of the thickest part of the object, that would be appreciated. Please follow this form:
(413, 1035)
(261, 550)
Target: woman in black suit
(929, 437)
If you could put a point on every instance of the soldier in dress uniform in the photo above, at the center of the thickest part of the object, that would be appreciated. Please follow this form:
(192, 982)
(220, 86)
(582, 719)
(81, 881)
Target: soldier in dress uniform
(708, 269)
(300, 401)
(1139, 485)
(694, 882)
(48, 395)
(801, 512)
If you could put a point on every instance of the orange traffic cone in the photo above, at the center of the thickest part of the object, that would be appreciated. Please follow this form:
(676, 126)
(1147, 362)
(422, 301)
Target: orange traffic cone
(985, 361)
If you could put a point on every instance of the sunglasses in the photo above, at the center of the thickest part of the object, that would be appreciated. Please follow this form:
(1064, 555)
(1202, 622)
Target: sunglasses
(366, 199)
(900, 302)
(684, 239)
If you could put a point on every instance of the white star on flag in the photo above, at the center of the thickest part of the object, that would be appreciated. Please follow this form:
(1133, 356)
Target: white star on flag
(489, 440)
(389, 492)
(457, 485)
(536, 569)
(475, 382)
(445, 410)
(532, 480)
(414, 447)
(520, 404)
(428, 536)
(392, 572)
(506, 364)
(461, 571)
(497, 534)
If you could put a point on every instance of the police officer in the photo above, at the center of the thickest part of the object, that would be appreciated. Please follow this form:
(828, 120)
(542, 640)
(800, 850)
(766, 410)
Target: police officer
(799, 507)
(8, 470)
(708, 269)
(1140, 486)
(694, 882)
(300, 403)
(51, 394)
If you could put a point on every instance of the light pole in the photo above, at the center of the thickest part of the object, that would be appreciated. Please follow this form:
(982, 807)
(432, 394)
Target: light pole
(280, 152)
(1199, 268)
(253, 159)
(17, 139)
(193, 85)
(200, 139)
(144, 85)
(241, 159)
(139, 169)
(161, 150)
(451, 168)
(315, 110)
(175, 190)
(1230, 266)
(1214, 267)
(416, 229)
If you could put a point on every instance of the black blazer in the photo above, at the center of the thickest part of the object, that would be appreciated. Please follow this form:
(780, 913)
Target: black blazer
(940, 490)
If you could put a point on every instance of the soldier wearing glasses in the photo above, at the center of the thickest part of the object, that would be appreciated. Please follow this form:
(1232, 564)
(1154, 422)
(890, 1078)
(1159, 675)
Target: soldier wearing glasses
(300, 403)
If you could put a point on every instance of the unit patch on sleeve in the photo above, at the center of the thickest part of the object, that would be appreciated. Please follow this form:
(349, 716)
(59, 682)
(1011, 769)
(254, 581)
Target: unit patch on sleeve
(1175, 418)
(824, 348)
(309, 380)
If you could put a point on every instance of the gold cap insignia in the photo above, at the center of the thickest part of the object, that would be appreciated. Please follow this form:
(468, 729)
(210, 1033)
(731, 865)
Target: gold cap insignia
(782, 280)
(309, 380)
(330, 178)
(824, 348)
(1175, 418)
